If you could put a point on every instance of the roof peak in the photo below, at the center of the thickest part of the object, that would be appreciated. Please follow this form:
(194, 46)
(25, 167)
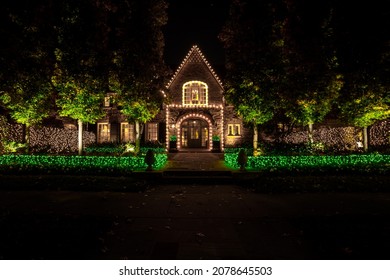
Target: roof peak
(185, 60)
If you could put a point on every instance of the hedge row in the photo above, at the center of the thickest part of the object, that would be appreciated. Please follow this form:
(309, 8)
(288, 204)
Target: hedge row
(76, 164)
(361, 163)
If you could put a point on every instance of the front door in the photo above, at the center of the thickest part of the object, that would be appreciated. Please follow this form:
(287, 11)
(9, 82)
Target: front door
(194, 133)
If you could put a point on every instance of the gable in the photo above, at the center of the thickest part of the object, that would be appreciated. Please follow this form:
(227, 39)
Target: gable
(195, 68)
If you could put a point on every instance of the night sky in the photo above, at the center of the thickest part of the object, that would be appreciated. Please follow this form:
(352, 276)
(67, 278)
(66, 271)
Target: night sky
(195, 22)
(361, 27)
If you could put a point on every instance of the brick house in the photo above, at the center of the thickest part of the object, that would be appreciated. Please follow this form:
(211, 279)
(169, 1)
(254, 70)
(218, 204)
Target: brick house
(195, 113)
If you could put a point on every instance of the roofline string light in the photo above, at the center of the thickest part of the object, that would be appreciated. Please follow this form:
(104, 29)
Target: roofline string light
(194, 48)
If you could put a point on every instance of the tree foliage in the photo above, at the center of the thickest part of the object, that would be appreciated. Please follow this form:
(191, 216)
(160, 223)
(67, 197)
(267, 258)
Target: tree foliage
(254, 61)
(78, 75)
(25, 57)
(137, 69)
(365, 98)
(313, 78)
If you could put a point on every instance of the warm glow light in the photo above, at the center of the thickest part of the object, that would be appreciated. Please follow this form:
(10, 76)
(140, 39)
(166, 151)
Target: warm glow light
(167, 128)
(193, 51)
(195, 115)
(193, 94)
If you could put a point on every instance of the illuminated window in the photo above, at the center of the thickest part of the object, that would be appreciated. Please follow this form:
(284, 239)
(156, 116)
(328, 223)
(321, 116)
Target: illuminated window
(107, 101)
(152, 132)
(127, 132)
(195, 93)
(103, 132)
(234, 130)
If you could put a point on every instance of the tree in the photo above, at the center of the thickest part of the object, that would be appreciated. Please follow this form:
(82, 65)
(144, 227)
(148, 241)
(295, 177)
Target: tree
(253, 42)
(78, 75)
(365, 49)
(28, 104)
(139, 110)
(138, 72)
(313, 79)
(252, 105)
(366, 101)
(26, 64)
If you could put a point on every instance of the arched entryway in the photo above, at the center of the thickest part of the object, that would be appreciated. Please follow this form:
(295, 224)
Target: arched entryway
(194, 133)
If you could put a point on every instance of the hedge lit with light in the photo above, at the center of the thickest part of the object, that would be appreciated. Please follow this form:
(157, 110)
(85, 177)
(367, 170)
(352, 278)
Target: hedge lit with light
(356, 163)
(77, 164)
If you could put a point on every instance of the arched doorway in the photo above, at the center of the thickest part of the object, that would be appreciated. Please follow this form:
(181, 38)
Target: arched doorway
(194, 133)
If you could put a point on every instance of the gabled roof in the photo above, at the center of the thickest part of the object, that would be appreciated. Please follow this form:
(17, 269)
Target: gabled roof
(194, 55)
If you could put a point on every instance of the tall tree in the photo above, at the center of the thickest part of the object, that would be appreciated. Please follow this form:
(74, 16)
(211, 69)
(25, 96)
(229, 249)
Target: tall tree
(366, 100)
(253, 42)
(365, 49)
(138, 72)
(28, 101)
(79, 75)
(314, 81)
(26, 62)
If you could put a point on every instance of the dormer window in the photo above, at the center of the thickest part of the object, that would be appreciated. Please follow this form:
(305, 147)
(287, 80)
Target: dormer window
(107, 101)
(195, 93)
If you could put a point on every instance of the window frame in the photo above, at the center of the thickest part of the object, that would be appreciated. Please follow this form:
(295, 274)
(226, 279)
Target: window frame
(130, 137)
(99, 133)
(153, 125)
(195, 93)
(107, 101)
(235, 128)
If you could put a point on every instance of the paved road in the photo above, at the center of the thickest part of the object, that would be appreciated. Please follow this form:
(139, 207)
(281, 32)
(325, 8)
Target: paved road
(193, 222)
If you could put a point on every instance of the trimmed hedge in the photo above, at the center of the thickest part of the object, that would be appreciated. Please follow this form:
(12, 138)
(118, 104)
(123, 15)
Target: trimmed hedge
(361, 163)
(76, 164)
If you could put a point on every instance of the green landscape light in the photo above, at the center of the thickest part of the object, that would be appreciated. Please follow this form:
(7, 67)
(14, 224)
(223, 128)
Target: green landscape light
(342, 162)
(78, 164)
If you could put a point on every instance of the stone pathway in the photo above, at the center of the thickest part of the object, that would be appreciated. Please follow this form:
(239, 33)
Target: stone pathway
(196, 161)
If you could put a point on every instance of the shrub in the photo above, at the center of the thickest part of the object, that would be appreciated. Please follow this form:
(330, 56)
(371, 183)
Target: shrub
(95, 165)
(11, 147)
(105, 149)
(364, 163)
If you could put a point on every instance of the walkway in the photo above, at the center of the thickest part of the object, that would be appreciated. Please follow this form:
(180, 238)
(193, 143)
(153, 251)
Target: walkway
(184, 167)
(184, 161)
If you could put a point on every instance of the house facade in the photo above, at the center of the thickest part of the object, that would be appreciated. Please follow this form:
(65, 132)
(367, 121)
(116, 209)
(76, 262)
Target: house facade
(195, 113)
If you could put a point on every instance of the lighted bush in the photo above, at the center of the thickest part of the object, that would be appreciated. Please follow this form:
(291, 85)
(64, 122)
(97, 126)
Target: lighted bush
(50, 140)
(121, 149)
(361, 163)
(76, 164)
(12, 147)
(156, 150)
(105, 149)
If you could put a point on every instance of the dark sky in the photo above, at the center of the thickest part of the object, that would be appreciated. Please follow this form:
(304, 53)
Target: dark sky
(195, 23)
(360, 26)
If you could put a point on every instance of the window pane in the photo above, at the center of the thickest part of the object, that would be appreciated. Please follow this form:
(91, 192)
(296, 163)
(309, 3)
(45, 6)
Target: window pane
(152, 132)
(195, 93)
(107, 101)
(103, 133)
(127, 132)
